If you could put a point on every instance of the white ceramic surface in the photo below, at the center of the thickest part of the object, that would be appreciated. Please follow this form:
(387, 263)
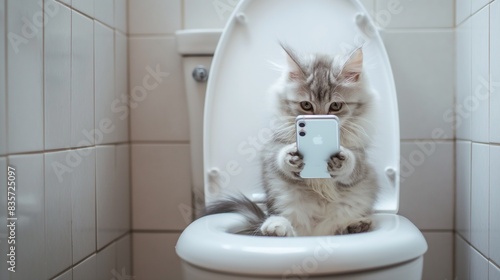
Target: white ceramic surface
(3, 87)
(121, 15)
(393, 240)
(462, 10)
(30, 224)
(409, 14)
(153, 11)
(480, 197)
(161, 186)
(86, 270)
(57, 214)
(105, 194)
(463, 117)
(84, 6)
(479, 106)
(104, 11)
(119, 108)
(462, 257)
(83, 205)
(57, 75)
(494, 196)
(478, 266)
(104, 77)
(495, 72)
(463, 191)
(106, 263)
(24, 78)
(82, 80)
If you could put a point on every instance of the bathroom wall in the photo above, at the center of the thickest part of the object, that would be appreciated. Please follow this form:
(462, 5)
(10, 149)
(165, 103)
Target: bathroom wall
(478, 137)
(419, 37)
(63, 127)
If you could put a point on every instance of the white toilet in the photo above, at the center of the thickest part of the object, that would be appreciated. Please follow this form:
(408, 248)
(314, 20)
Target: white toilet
(236, 123)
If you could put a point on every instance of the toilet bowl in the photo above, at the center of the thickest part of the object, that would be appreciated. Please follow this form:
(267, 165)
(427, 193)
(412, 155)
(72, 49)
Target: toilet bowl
(236, 123)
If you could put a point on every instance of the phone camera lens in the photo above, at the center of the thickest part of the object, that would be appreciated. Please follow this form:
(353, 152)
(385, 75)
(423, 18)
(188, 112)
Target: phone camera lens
(302, 133)
(302, 124)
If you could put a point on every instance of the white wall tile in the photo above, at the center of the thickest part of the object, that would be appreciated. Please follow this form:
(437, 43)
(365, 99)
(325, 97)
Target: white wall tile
(462, 10)
(57, 74)
(438, 260)
(30, 229)
(495, 72)
(476, 5)
(463, 81)
(480, 76)
(68, 275)
(25, 76)
(462, 258)
(106, 196)
(57, 213)
(494, 197)
(66, 1)
(207, 14)
(86, 270)
(161, 113)
(119, 106)
(415, 14)
(84, 6)
(104, 11)
(425, 93)
(121, 15)
(478, 266)
(82, 80)
(4, 273)
(83, 203)
(494, 272)
(3, 108)
(427, 184)
(161, 186)
(104, 84)
(462, 199)
(148, 248)
(122, 189)
(106, 263)
(480, 197)
(163, 17)
(124, 256)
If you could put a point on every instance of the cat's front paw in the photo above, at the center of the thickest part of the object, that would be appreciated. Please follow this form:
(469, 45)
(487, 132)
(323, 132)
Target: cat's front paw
(292, 161)
(277, 226)
(341, 163)
(359, 226)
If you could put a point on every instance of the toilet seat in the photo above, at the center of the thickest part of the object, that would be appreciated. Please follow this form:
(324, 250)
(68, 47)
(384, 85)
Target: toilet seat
(236, 124)
(394, 240)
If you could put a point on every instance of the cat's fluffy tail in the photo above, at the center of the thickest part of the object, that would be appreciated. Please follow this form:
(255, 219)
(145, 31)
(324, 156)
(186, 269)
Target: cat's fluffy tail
(242, 205)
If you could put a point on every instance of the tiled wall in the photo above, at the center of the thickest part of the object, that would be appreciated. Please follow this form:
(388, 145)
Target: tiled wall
(478, 138)
(161, 178)
(63, 72)
(419, 37)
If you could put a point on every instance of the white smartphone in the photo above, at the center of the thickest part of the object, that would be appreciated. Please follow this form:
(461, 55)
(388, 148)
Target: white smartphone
(317, 141)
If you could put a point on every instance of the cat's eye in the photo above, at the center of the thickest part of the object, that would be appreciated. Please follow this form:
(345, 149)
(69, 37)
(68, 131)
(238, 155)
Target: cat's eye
(306, 105)
(335, 106)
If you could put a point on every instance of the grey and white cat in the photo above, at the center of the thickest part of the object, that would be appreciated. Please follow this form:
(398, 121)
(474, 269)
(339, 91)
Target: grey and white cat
(320, 85)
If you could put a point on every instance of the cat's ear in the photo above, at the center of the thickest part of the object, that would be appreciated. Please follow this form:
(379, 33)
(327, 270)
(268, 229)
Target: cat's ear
(295, 72)
(353, 66)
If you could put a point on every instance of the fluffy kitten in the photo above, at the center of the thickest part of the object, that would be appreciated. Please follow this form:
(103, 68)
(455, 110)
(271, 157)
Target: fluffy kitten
(320, 85)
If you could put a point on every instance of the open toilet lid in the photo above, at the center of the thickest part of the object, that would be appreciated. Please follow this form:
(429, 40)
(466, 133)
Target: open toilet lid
(237, 120)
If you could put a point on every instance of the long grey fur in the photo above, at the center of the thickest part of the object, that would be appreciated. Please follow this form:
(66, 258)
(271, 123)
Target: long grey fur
(240, 204)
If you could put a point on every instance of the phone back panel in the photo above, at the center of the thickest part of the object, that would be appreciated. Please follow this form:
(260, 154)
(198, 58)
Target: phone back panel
(317, 141)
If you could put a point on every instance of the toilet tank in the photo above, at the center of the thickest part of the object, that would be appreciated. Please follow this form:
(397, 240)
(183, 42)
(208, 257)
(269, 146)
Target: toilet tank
(197, 47)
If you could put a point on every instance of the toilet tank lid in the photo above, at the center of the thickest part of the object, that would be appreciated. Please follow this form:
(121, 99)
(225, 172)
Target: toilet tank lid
(197, 41)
